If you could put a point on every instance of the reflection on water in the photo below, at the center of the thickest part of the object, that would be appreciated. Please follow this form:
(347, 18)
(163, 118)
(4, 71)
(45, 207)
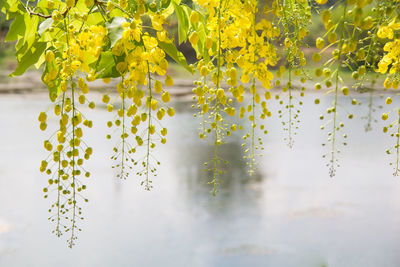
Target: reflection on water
(290, 213)
(235, 183)
(234, 166)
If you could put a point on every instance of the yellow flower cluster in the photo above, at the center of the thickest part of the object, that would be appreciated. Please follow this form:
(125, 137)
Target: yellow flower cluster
(82, 48)
(392, 55)
(243, 51)
(143, 96)
(88, 43)
(68, 152)
(259, 53)
(387, 31)
(245, 43)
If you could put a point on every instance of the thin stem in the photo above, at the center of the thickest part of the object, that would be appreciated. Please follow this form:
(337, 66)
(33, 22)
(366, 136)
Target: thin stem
(73, 166)
(253, 126)
(333, 150)
(396, 173)
(290, 107)
(148, 127)
(217, 104)
(73, 140)
(83, 23)
(58, 232)
(32, 13)
(123, 133)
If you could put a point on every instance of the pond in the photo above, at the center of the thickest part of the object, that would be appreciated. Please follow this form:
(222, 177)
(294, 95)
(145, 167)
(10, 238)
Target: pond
(290, 213)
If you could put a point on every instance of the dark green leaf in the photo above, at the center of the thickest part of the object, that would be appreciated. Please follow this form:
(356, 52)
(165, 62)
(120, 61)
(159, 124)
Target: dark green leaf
(165, 3)
(29, 58)
(12, 8)
(183, 22)
(17, 29)
(105, 66)
(173, 52)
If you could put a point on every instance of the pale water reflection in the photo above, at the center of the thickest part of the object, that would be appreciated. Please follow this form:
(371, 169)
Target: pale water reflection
(289, 214)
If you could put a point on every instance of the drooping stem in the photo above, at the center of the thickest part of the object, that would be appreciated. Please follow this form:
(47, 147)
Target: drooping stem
(253, 128)
(396, 172)
(253, 91)
(147, 187)
(217, 105)
(290, 143)
(58, 232)
(333, 149)
(203, 113)
(73, 122)
(123, 133)
(73, 185)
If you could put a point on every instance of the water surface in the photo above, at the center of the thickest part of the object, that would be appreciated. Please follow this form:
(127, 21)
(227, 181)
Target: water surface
(290, 213)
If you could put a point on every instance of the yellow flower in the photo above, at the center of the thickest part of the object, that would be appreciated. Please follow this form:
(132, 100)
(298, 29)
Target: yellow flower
(385, 32)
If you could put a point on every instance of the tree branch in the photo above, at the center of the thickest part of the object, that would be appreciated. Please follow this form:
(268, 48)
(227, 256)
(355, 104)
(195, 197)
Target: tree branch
(32, 13)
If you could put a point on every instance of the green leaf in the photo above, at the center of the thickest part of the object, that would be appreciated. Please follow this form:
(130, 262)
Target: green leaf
(173, 52)
(152, 7)
(105, 66)
(183, 22)
(26, 37)
(115, 29)
(20, 48)
(31, 24)
(167, 8)
(201, 29)
(41, 60)
(94, 18)
(12, 8)
(17, 29)
(165, 3)
(116, 13)
(81, 7)
(200, 47)
(29, 58)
